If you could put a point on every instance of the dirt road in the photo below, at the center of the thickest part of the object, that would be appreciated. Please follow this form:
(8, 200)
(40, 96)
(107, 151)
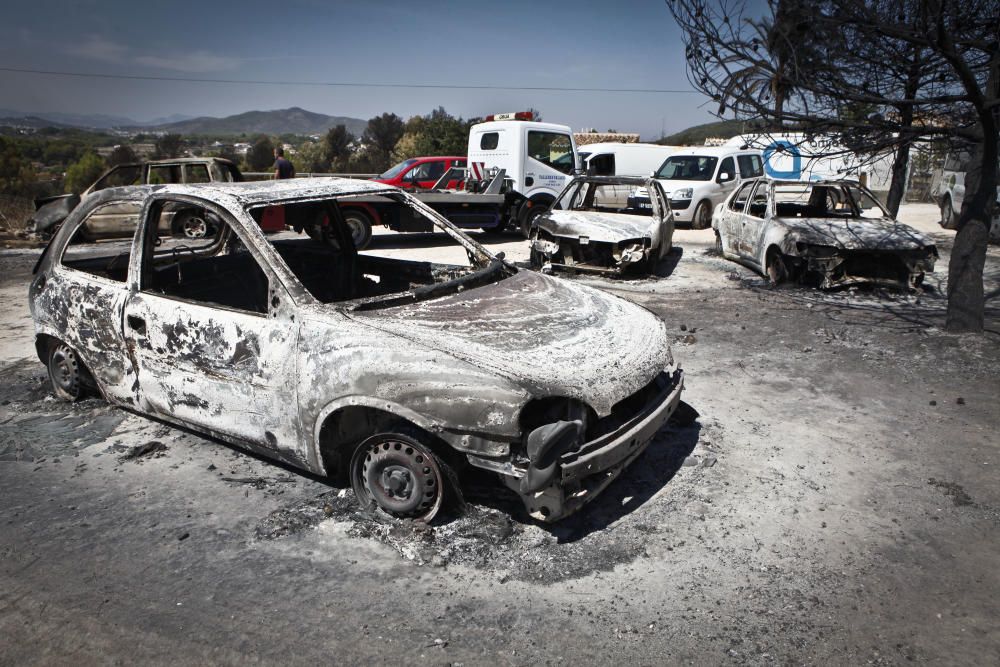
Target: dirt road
(837, 502)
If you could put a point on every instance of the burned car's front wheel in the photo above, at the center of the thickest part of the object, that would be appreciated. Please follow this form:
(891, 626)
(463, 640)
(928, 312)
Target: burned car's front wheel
(66, 372)
(399, 475)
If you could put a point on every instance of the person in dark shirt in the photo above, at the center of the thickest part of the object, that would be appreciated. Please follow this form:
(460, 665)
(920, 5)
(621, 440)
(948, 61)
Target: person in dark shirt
(282, 167)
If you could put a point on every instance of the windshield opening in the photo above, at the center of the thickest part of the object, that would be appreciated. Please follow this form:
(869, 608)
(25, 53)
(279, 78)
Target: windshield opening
(687, 168)
(795, 200)
(398, 169)
(318, 242)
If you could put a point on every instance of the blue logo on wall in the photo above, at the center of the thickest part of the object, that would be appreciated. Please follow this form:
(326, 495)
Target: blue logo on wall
(783, 148)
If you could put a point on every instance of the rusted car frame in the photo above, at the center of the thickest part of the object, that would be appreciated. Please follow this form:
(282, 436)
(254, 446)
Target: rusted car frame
(390, 373)
(588, 229)
(830, 233)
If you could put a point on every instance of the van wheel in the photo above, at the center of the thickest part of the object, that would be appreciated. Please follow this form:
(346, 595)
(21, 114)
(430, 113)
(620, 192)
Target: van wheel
(360, 226)
(702, 215)
(398, 475)
(948, 218)
(66, 372)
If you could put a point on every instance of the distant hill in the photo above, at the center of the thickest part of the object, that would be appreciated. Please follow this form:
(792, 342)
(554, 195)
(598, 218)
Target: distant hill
(279, 121)
(28, 121)
(695, 136)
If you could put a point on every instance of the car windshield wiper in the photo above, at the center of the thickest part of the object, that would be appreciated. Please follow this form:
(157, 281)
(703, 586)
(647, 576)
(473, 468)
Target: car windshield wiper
(489, 273)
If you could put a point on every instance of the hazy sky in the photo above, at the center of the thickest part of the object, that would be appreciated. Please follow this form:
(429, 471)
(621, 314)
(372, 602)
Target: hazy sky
(624, 44)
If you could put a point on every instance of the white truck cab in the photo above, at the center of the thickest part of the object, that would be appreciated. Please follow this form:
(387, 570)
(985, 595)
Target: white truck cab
(539, 158)
(699, 179)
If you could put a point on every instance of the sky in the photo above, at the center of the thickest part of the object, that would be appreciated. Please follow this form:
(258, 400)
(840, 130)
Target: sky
(630, 44)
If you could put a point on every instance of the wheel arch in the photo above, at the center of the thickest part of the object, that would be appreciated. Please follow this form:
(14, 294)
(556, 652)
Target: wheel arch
(344, 423)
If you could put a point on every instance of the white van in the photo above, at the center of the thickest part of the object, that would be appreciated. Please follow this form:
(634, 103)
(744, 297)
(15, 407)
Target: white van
(618, 159)
(699, 179)
(949, 192)
(540, 158)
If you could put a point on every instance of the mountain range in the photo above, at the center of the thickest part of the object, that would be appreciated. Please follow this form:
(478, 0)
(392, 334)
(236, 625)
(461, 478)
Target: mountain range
(279, 121)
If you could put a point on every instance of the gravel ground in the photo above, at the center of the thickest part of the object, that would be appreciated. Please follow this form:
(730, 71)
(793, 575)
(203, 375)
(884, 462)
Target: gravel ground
(837, 501)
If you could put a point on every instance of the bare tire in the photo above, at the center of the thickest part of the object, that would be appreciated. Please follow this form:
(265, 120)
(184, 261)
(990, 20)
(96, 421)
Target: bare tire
(702, 215)
(718, 244)
(777, 269)
(66, 372)
(360, 227)
(398, 475)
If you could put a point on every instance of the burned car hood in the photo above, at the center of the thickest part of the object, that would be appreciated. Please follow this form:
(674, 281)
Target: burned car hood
(856, 234)
(598, 226)
(549, 336)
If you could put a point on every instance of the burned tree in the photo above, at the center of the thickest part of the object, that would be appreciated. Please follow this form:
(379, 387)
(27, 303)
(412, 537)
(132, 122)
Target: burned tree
(877, 75)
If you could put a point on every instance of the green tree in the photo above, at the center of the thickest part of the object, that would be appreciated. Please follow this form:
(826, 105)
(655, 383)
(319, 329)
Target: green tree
(381, 136)
(84, 172)
(16, 173)
(437, 133)
(311, 158)
(260, 157)
(337, 144)
(122, 154)
(168, 146)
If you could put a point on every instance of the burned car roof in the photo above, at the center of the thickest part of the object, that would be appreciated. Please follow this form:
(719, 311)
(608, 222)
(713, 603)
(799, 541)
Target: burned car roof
(254, 193)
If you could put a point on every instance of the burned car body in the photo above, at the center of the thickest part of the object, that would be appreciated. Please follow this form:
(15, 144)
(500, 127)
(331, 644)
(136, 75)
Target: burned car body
(386, 371)
(587, 229)
(119, 221)
(825, 233)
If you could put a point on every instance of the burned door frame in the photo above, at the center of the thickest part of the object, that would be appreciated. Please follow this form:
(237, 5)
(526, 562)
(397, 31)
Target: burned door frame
(93, 307)
(732, 221)
(228, 371)
(752, 228)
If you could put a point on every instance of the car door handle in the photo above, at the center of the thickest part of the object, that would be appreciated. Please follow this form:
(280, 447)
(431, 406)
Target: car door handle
(137, 324)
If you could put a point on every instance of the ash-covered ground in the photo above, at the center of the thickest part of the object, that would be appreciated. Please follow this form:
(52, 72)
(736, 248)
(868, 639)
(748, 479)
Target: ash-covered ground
(837, 501)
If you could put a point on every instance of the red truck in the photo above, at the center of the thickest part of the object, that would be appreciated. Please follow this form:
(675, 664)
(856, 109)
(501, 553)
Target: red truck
(421, 173)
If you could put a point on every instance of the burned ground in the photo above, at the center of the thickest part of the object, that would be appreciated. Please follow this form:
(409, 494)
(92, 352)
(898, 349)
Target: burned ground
(836, 502)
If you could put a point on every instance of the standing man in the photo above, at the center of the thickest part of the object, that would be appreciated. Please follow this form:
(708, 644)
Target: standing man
(282, 167)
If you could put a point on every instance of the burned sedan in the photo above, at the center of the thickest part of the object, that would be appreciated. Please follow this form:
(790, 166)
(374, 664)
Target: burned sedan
(824, 233)
(590, 227)
(391, 373)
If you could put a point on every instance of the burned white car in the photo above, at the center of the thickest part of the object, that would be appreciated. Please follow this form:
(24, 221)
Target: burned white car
(388, 372)
(823, 233)
(591, 228)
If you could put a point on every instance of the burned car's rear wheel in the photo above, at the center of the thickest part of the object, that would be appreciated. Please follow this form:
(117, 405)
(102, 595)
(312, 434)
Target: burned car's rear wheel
(399, 475)
(191, 225)
(66, 372)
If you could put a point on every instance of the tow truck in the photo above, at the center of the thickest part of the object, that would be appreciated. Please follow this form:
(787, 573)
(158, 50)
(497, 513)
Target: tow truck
(516, 168)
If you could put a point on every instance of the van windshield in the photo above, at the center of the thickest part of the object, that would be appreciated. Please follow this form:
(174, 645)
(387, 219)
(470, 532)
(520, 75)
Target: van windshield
(687, 168)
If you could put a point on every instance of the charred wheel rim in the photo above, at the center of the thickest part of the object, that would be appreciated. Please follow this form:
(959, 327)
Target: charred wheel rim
(64, 372)
(194, 227)
(776, 271)
(397, 475)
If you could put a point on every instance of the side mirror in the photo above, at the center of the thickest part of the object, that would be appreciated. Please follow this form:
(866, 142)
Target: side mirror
(725, 176)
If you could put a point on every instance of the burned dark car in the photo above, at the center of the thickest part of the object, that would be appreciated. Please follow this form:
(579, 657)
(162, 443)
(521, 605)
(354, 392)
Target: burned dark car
(822, 233)
(591, 228)
(120, 221)
(387, 372)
